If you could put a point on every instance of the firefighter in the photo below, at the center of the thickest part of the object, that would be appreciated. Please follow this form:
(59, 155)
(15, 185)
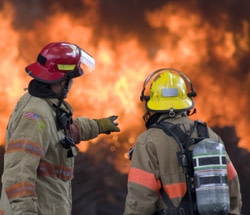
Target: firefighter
(42, 136)
(156, 180)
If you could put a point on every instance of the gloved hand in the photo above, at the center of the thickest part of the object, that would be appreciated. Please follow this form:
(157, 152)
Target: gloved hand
(108, 125)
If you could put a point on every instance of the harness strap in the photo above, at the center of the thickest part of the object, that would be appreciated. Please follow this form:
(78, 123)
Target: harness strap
(202, 129)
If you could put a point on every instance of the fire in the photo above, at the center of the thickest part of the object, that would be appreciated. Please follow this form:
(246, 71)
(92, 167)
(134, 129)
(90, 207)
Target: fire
(210, 55)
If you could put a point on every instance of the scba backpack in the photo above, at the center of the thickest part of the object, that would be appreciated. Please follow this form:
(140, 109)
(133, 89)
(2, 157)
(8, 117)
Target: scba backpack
(205, 172)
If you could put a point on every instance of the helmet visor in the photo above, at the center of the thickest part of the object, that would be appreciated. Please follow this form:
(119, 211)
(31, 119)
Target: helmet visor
(87, 61)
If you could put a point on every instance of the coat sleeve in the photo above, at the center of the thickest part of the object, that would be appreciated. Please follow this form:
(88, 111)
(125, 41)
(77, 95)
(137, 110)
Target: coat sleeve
(234, 185)
(83, 129)
(143, 179)
(234, 189)
(24, 149)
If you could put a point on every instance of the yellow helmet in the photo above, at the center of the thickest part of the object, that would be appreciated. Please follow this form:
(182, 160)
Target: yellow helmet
(168, 92)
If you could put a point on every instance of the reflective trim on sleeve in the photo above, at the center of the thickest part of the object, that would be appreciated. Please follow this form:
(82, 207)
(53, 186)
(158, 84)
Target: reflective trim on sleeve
(75, 131)
(20, 189)
(231, 172)
(25, 145)
(144, 178)
(2, 212)
(54, 171)
(176, 190)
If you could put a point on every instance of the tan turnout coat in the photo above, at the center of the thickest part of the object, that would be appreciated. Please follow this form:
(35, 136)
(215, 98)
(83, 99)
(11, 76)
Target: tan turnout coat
(37, 173)
(155, 158)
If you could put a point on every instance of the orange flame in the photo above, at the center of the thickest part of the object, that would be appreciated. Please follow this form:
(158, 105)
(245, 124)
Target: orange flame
(183, 41)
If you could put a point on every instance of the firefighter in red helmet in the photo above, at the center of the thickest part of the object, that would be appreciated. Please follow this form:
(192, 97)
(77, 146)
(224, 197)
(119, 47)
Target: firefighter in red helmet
(42, 135)
(167, 174)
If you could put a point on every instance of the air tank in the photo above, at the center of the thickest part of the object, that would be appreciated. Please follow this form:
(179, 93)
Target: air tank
(210, 178)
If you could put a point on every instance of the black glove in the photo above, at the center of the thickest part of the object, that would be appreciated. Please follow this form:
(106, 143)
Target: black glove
(108, 125)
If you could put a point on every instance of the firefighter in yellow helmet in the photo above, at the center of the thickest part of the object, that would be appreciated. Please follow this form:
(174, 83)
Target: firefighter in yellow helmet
(42, 135)
(161, 175)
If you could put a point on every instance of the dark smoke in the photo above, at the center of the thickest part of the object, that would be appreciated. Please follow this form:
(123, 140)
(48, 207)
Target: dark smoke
(240, 158)
(128, 17)
(236, 10)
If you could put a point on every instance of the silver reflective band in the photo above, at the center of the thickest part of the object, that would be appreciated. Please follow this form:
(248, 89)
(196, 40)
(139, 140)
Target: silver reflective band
(169, 92)
(87, 60)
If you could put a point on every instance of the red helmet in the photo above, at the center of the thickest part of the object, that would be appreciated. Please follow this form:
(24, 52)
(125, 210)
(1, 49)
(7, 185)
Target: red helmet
(59, 61)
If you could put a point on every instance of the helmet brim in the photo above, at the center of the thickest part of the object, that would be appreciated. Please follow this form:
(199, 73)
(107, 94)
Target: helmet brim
(168, 104)
(38, 72)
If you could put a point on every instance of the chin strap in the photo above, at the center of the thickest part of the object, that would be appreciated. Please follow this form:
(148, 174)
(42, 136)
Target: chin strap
(64, 92)
(189, 113)
(64, 120)
(150, 119)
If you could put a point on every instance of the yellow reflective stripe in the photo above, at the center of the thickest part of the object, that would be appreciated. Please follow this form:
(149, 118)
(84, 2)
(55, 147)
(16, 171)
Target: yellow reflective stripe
(66, 66)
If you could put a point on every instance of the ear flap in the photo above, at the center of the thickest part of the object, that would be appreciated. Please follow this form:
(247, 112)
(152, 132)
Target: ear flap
(142, 97)
(146, 98)
(192, 94)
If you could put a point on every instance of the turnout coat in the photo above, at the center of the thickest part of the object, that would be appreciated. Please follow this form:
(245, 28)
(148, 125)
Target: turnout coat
(37, 173)
(154, 161)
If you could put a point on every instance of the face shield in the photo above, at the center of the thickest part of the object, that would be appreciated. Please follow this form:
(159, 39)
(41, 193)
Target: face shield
(87, 61)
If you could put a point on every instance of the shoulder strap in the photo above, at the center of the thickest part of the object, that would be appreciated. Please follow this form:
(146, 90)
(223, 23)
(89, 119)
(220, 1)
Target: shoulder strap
(172, 130)
(201, 129)
(175, 131)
